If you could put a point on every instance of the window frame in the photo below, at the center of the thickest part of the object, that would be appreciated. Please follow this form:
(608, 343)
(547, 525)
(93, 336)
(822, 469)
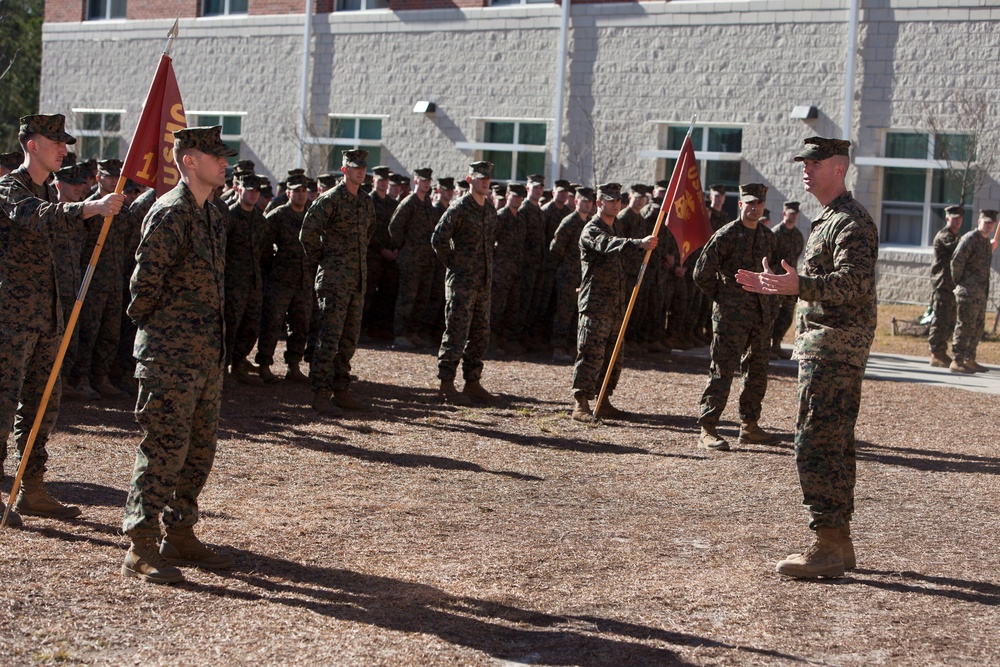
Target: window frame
(479, 147)
(338, 6)
(226, 10)
(108, 4)
(345, 143)
(932, 213)
(102, 134)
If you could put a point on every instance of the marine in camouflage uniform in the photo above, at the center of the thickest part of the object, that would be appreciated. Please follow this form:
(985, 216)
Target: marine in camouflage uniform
(694, 329)
(835, 326)
(177, 304)
(669, 297)
(433, 320)
(245, 235)
(31, 318)
(602, 301)
(555, 212)
(634, 224)
(68, 250)
(508, 267)
(288, 291)
(101, 314)
(970, 269)
(464, 240)
(788, 246)
(382, 284)
(533, 259)
(943, 304)
(410, 229)
(741, 331)
(126, 338)
(335, 234)
(565, 252)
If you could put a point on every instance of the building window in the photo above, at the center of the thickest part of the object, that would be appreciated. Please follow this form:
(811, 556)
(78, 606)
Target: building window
(922, 174)
(223, 7)
(99, 132)
(503, 3)
(719, 151)
(516, 149)
(360, 5)
(349, 132)
(98, 10)
(232, 128)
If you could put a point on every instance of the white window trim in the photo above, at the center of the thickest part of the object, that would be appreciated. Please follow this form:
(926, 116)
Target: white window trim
(514, 148)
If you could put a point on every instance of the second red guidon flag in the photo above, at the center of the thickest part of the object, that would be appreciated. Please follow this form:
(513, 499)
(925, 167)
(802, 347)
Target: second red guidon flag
(687, 218)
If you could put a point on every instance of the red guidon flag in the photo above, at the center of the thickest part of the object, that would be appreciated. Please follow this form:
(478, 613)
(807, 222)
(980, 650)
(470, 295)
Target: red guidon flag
(150, 159)
(687, 218)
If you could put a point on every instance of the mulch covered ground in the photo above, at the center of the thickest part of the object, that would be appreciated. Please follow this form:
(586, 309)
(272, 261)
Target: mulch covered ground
(422, 534)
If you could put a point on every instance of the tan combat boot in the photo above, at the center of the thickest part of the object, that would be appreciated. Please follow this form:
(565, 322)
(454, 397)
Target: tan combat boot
(452, 395)
(709, 439)
(323, 405)
(102, 385)
(608, 411)
(240, 371)
(267, 376)
(847, 547)
(294, 374)
(940, 360)
(346, 400)
(976, 366)
(581, 411)
(476, 392)
(34, 500)
(143, 561)
(752, 434)
(824, 558)
(182, 547)
(960, 366)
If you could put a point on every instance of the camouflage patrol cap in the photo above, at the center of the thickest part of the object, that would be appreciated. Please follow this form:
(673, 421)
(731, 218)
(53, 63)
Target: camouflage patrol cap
(481, 169)
(328, 180)
(536, 179)
(396, 179)
(296, 181)
(248, 180)
(423, 172)
(88, 167)
(11, 160)
(462, 185)
(572, 187)
(663, 184)
(639, 189)
(357, 157)
(766, 215)
(753, 192)
(381, 171)
(609, 191)
(312, 185)
(953, 210)
(207, 140)
(499, 189)
(988, 214)
(71, 175)
(51, 127)
(586, 193)
(517, 189)
(791, 206)
(110, 167)
(266, 192)
(717, 188)
(446, 183)
(244, 166)
(561, 185)
(819, 148)
(296, 172)
(69, 159)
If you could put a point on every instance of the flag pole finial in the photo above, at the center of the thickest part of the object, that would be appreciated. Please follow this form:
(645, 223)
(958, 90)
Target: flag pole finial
(170, 37)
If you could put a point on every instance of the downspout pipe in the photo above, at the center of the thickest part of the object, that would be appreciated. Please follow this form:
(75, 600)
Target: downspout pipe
(852, 55)
(555, 164)
(304, 87)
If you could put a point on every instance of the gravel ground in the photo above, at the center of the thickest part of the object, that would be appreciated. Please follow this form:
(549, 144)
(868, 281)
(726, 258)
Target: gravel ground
(421, 534)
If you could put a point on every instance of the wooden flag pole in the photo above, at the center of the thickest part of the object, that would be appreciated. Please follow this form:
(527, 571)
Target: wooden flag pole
(668, 201)
(67, 335)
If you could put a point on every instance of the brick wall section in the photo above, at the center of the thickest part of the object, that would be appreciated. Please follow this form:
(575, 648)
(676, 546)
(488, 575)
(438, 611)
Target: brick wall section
(263, 7)
(162, 9)
(62, 11)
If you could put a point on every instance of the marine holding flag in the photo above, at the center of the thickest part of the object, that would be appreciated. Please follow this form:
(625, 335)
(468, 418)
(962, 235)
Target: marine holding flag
(31, 323)
(177, 305)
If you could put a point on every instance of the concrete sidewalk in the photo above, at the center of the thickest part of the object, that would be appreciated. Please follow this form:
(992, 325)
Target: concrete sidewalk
(900, 368)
